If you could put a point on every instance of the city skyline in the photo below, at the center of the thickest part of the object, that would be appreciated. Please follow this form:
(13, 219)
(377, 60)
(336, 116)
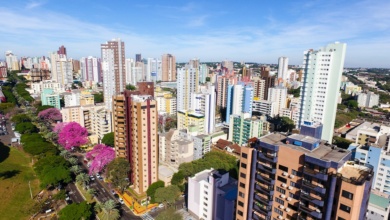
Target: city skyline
(254, 32)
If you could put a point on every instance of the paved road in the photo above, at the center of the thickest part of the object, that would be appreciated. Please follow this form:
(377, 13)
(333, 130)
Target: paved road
(73, 193)
(104, 192)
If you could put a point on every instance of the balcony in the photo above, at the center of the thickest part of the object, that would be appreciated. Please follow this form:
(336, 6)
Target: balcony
(265, 179)
(264, 189)
(316, 174)
(264, 200)
(312, 199)
(266, 168)
(314, 187)
(263, 210)
(268, 157)
(258, 216)
(310, 212)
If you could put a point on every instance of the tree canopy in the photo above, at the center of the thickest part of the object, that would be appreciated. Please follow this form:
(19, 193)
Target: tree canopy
(98, 97)
(19, 118)
(26, 128)
(35, 145)
(152, 189)
(341, 142)
(76, 211)
(167, 194)
(52, 170)
(43, 107)
(169, 214)
(117, 172)
(130, 87)
(72, 135)
(108, 139)
(101, 155)
(50, 114)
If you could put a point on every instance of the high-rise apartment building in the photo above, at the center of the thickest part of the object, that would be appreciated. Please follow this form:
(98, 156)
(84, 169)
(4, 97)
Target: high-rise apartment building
(203, 73)
(138, 57)
(212, 195)
(12, 61)
(243, 127)
(300, 177)
(187, 84)
(368, 100)
(49, 97)
(113, 69)
(62, 50)
(168, 66)
(239, 100)
(258, 88)
(135, 129)
(269, 79)
(322, 70)
(283, 69)
(279, 95)
(91, 69)
(64, 71)
(228, 65)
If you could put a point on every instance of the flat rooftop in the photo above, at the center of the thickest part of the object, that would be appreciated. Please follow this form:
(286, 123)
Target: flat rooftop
(355, 172)
(379, 201)
(324, 151)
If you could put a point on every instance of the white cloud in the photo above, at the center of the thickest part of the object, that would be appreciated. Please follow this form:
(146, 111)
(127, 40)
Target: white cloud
(367, 35)
(34, 4)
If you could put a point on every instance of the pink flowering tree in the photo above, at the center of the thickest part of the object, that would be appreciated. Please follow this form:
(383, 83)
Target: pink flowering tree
(72, 135)
(50, 114)
(101, 155)
(59, 126)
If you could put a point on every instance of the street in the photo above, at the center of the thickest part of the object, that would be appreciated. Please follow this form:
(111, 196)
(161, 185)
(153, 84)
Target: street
(103, 192)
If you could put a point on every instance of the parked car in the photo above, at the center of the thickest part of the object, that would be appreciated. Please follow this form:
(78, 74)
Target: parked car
(121, 201)
(92, 177)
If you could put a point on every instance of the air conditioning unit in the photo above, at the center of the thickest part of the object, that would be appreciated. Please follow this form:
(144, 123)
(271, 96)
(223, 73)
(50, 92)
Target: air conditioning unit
(282, 196)
(287, 209)
(290, 187)
(285, 173)
(317, 210)
(280, 217)
(291, 176)
(288, 199)
(284, 185)
(281, 206)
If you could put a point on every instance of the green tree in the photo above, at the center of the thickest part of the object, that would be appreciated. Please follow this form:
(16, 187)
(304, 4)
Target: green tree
(43, 107)
(76, 211)
(117, 172)
(98, 97)
(91, 191)
(167, 194)
(152, 189)
(286, 124)
(169, 214)
(73, 160)
(83, 179)
(109, 210)
(130, 87)
(75, 169)
(26, 128)
(352, 104)
(108, 139)
(341, 142)
(19, 118)
(52, 170)
(61, 195)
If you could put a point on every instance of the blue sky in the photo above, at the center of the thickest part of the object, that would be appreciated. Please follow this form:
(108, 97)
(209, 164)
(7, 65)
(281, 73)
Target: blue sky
(252, 30)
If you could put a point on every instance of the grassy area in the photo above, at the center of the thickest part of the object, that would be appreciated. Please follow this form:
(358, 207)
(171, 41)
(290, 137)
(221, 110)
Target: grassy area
(15, 173)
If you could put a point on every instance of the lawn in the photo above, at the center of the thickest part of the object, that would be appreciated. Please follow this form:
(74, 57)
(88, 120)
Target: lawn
(15, 173)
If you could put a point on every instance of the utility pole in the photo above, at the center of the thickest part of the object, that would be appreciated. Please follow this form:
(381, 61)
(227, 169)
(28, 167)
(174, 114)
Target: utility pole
(30, 189)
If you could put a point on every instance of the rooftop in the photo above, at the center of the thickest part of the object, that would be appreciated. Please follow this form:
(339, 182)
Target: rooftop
(380, 200)
(355, 173)
(324, 151)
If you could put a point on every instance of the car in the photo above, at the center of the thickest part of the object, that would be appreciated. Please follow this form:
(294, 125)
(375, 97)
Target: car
(121, 201)
(116, 196)
(92, 177)
(48, 211)
(98, 175)
(113, 192)
(69, 201)
(161, 205)
(67, 198)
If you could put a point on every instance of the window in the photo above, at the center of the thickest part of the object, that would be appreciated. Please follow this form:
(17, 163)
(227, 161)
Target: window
(242, 195)
(243, 175)
(243, 165)
(240, 203)
(347, 194)
(283, 191)
(244, 155)
(292, 207)
(279, 201)
(242, 185)
(281, 179)
(345, 208)
(281, 167)
(240, 213)
(296, 173)
(278, 211)
(339, 218)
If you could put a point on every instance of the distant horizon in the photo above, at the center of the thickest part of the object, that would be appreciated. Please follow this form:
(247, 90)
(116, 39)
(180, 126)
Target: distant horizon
(213, 31)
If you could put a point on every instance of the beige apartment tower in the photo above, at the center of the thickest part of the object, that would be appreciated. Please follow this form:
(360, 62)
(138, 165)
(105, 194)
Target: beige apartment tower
(300, 177)
(168, 63)
(135, 131)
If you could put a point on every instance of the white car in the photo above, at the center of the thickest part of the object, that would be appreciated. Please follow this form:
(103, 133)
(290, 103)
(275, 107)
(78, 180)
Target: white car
(92, 177)
(121, 201)
(161, 205)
